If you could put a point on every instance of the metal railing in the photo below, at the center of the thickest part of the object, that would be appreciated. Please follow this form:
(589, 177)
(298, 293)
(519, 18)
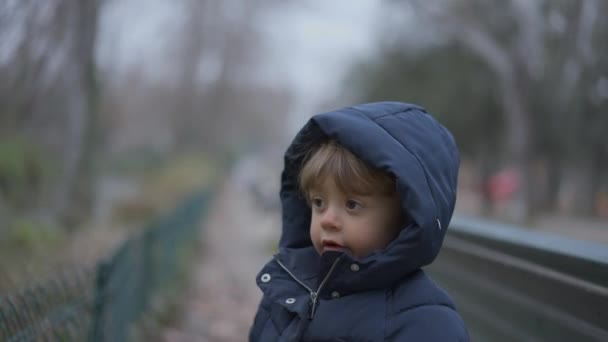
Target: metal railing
(514, 284)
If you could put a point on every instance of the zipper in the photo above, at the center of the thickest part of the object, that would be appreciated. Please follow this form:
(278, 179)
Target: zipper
(314, 295)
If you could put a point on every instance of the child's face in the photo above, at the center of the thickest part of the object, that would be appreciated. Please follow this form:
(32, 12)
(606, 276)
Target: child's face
(359, 224)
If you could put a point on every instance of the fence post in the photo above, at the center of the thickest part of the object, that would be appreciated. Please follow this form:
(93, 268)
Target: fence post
(98, 317)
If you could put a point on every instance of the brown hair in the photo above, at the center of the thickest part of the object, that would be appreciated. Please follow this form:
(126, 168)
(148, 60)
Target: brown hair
(350, 174)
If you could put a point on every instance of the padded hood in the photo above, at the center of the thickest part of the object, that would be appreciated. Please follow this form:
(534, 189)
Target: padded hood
(403, 140)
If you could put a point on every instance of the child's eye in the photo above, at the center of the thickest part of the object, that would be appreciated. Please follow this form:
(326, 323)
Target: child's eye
(317, 202)
(352, 205)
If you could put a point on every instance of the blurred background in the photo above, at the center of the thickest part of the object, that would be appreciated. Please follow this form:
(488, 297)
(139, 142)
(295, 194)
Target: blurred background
(112, 111)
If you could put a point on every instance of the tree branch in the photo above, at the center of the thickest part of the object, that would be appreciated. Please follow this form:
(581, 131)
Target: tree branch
(530, 41)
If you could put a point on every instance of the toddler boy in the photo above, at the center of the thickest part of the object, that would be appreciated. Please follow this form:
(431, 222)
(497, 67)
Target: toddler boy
(367, 194)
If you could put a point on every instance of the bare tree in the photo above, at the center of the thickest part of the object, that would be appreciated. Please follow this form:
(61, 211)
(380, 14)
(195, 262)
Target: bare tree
(219, 48)
(49, 89)
(512, 38)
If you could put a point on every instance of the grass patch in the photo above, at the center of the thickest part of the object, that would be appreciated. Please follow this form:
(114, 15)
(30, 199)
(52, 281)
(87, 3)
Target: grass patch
(28, 250)
(165, 186)
(25, 233)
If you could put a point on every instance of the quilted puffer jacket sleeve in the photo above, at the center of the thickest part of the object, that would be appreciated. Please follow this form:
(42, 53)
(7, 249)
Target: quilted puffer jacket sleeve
(262, 317)
(429, 323)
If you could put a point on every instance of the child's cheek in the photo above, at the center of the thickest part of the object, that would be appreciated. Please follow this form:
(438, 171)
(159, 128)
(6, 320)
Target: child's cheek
(314, 236)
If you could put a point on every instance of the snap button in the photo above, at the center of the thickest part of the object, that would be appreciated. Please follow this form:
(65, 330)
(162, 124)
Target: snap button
(354, 267)
(265, 278)
(290, 300)
(335, 295)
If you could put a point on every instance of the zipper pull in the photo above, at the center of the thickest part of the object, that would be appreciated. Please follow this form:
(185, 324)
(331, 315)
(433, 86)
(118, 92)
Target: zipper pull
(313, 304)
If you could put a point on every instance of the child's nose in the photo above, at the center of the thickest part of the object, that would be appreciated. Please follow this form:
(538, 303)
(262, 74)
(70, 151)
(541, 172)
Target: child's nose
(330, 219)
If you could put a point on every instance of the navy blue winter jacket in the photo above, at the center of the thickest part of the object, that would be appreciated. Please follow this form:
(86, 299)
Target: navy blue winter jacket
(384, 296)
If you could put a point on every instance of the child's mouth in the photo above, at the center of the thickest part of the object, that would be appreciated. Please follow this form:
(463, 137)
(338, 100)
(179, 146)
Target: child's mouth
(332, 246)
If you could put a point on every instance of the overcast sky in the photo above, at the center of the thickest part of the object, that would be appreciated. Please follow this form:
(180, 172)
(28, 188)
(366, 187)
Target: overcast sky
(315, 44)
(316, 41)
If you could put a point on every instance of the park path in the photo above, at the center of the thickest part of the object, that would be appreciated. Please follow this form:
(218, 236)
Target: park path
(238, 238)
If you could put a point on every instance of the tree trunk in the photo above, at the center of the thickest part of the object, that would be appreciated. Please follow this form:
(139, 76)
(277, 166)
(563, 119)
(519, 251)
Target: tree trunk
(72, 191)
(518, 140)
(553, 172)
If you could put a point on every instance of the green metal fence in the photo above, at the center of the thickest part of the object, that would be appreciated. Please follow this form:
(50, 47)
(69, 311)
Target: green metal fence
(57, 309)
(101, 304)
